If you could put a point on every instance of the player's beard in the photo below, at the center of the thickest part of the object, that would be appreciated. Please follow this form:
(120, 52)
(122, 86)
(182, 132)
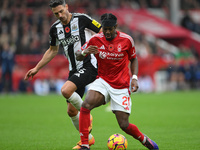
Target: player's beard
(63, 19)
(109, 37)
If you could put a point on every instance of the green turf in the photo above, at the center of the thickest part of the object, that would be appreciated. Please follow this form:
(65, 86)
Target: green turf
(30, 122)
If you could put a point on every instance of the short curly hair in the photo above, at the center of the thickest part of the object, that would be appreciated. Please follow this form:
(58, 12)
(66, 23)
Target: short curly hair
(108, 19)
(55, 3)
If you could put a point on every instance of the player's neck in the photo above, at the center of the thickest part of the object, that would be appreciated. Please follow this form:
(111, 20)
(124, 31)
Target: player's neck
(69, 17)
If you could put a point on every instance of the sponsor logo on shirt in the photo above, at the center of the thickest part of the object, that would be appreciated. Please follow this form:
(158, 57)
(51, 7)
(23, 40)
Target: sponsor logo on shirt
(112, 56)
(69, 41)
(102, 47)
(60, 32)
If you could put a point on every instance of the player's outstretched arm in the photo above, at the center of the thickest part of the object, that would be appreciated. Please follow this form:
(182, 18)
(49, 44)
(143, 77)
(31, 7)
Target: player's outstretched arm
(47, 57)
(134, 71)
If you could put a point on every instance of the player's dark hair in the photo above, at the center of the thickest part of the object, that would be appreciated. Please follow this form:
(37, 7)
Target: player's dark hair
(55, 3)
(108, 19)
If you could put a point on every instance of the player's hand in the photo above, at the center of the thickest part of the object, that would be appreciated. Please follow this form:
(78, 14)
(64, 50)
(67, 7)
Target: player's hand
(30, 73)
(134, 85)
(91, 50)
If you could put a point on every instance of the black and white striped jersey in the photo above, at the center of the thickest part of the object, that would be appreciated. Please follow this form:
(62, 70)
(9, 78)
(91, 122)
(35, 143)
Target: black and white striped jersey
(72, 37)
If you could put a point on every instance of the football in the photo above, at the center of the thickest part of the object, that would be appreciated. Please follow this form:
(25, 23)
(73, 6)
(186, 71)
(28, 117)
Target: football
(117, 142)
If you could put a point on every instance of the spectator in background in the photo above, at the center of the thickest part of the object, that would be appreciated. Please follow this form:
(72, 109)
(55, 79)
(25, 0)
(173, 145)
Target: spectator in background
(24, 86)
(143, 46)
(155, 3)
(41, 87)
(187, 21)
(7, 63)
(189, 4)
(146, 84)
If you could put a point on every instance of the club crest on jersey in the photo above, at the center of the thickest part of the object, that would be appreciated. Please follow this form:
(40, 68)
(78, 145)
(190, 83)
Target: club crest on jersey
(67, 29)
(119, 47)
(74, 27)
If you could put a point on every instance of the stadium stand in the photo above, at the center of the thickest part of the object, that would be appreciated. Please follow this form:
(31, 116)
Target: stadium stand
(24, 26)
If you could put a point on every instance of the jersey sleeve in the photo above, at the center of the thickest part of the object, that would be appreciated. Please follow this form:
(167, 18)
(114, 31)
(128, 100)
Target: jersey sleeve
(91, 23)
(88, 43)
(131, 51)
(84, 46)
(53, 41)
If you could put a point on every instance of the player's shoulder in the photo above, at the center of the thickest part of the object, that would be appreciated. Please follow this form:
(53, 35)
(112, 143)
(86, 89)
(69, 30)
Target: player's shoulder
(80, 15)
(98, 35)
(126, 36)
(54, 26)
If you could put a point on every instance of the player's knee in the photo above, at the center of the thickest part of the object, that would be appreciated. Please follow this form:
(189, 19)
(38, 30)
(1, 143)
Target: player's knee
(72, 112)
(87, 105)
(65, 92)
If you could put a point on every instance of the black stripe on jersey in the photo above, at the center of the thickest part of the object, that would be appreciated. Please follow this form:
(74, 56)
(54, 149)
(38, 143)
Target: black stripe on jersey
(72, 57)
(53, 33)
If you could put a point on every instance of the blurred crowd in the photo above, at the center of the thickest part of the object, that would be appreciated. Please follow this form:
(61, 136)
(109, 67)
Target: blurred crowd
(24, 29)
(25, 23)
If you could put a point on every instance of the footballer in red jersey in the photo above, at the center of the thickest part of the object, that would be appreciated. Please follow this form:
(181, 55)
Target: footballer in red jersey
(116, 58)
(113, 58)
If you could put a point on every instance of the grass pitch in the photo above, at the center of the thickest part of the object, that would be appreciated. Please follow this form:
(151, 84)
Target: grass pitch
(31, 122)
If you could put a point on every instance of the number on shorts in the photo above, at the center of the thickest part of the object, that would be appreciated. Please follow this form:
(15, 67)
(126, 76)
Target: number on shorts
(126, 101)
(81, 71)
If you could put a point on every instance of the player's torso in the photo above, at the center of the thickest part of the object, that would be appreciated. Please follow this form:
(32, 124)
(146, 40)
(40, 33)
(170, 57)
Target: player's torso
(72, 37)
(113, 60)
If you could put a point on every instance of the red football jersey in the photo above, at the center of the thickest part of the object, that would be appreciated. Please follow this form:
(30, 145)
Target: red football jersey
(113, 58)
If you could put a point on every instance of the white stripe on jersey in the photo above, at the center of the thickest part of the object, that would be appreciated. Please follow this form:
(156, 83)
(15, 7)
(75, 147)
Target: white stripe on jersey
(60, 32)
(128, 37)
(74, 25)
(88, 35)
(78, 14)
(93, 60)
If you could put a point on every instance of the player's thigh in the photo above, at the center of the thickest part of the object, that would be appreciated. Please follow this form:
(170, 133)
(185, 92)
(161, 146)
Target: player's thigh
(83, 77)
(68, 88)
(93, 99)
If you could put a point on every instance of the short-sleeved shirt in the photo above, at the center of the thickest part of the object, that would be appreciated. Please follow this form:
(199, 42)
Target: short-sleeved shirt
(72, 36)
(114, 58)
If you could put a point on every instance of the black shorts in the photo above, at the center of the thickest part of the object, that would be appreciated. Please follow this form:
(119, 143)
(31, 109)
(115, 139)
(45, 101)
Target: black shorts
(82, 77)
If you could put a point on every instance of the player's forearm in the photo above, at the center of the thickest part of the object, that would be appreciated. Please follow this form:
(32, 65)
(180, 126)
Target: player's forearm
(134, 66)
(79, 56)
(47, 57)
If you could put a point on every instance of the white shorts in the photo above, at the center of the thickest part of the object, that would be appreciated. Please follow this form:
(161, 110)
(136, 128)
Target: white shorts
(119, 98)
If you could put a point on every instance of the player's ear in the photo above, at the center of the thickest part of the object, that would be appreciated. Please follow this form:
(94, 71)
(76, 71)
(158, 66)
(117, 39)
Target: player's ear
(66, 6)
(116, 26)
